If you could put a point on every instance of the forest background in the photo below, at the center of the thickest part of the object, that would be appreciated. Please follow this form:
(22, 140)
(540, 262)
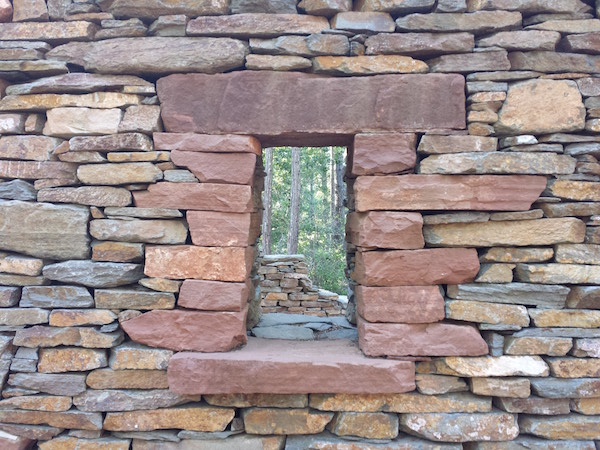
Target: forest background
(304, 211)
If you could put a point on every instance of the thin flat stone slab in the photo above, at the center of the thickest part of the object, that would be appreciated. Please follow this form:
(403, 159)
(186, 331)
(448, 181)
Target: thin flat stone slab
(152, 9)
(231, 168)
(327, 440)
(446, 192)
(211, 104)
(44, 230)
(531, 6)
(487, 366)
(215, 441)
(128, 400)
(186, 330)
(17, 190)
(480, 22)
(551, 62)
(566, 388)
(192, 142)
(558, 273)
(572, 426)
(419, 44)
(153, 55)
(94, 274)
(56, 297)
(35, 170)
(436, 339)
(416, 267)
(512, 293)
(213, 295)
(76, 83)
(289, 367)
(53, 32)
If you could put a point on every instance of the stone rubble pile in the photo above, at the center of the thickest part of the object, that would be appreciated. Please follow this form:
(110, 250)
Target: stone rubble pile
(130, 178)
(286, 288)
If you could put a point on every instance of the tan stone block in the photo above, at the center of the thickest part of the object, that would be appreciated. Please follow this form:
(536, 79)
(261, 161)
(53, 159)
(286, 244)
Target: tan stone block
(487, 366)
(117, 251)
(70, 359)
(516, 255)
(99, 100)
(565, 318)
(20, 265)
(256, 25)
(367, 65)
(586, 406)
(574, 367)
(484, 312)
(495, 273)
(534, 405)
(69, 442)
(68, 122)
(284, 421)
(115, 174)
(134, 356)
(76, 317)
(501, 387)
(575, 190)
(38, 403)
(552, 346)
(161, 284)
(194, 418)
(277, 62)
(261, 400)
(127, 379)
(365, 425)
(436, 144)
(439, 384)
(74, 419)
(572, 426)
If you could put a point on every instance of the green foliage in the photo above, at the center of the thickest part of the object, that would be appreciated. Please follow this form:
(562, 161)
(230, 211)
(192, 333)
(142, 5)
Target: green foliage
(321, 236)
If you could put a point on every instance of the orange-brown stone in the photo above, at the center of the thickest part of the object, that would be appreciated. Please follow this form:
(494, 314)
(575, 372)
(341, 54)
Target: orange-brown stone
(385, 229)
(192, 142)
(228, 168)
(383, 153)
(223, 229)
(213, 295)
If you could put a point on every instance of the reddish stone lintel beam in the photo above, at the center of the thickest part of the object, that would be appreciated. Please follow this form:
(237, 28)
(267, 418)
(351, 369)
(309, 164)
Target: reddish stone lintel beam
(435, 339)
(448, 192)
(416, 267)
(193, 142)
(271, 366)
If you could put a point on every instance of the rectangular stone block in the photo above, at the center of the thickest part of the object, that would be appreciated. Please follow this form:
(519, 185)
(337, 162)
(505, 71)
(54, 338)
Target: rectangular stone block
(415, 267)
(385, 229)
(558, 273)
(223, 229)
(226, 168)
(213, 295)
(212, 104)
(512, 293)
(216, 143)
(446, 192)
(383, 153)
(256, 25)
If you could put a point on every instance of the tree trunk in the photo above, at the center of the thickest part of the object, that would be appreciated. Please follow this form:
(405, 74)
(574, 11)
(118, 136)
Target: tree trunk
(340, 197)
(267, 201)
(332, 206)
(294, 203)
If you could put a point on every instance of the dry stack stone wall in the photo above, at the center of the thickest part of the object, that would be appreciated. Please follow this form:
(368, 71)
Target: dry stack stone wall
(131, 135)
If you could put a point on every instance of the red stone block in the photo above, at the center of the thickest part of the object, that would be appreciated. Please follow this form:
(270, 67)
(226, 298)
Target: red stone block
(437, 339)
(383, 153)
(448, 192)
(416, 267)
(198, 196)
(298, 108)
(213, 295)
(220, 229)
(180, 262)
(385, 229)
(214, 143)
(199, 331)
(271, 366)
(228, 168)
(401, 304)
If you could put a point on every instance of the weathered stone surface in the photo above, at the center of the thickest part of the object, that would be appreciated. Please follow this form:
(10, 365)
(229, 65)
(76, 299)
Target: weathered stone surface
(575, 190)
(208, 442)
(63, 384)
(419, 44)
(195, 418)
(305, 46)
(531, 6)
(117, 252)
(9, 296)
(550, 62)
(256, 25)
(141, 118)
(499, 163)
(558, 273)
(127, 379)
(87, 195)
(480, 22)
(435, 144)
(111, 174)
(534, 405)
(586, 348)
(180, 329)
(17, 190)
(69, 419)
(161, 284)
(415, 267)
(135, 356)
(485, 312)
(106, 443)
(383, 153)
(221, 111)
(213, 295)
(34, 170)
(325, 8)
(284, 421)
(502, 387)
(94, 274)
(401, 304)
(587, 406)
(486, 366)
(383, 229)
(41, 102)
(153, 55)
(289, 367)
(196, 196)
(401, 403)
(263, 6)
(153, 9)
(40, 432)
(445, 192)
(38, 403)
(211, 228)
(528, 110)
(16, 317)
(395, 6)
(56, 297)
(206, 263)
(138, 299)
(564, 388)
(44, 230)
(574, 367)
(439, 384)
(148, 231)
(516, 255)
(581, 25)
(20, 265)
(363, 22)
(471, 62)
(111, 143)
(581, 43)
(192, 142)
(327, 440)
(68, 122)
(493, 426)
(34, 148)
(521, 233)
(70, 359)
(577, 254)
(53, 32)
(525, 40)
(365, 425)
(573, 426)
(128, 400)
(142, 213)
(41, 336)
(394, 339)
(554, 346)
(74, 317)
(230, 168)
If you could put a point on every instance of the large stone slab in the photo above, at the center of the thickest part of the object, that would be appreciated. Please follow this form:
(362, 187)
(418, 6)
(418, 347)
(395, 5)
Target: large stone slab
(205, 263)
(541, 106)
(189, 330)
(211, 104)
(94, 274)
(419, 44)
(573, 426)
(551, 62)
(327, 440)
(152, 9)
(512, 293)
(445, 192)
(223, 229)
(63, 384)
(401, 304)
(136, 230)
(213, 295)
(153, 55)
(86, 195)
(53, 32)
(128, 400)
(480, 22)
(256, 25)
(191, 142)
(558, 273)
(34, 170)
(437, 339)
(510, 233)
(56, 297)
(44, 230)
(76, 83)
(273, 366)
(385, 229)
(34, 148)
(416, 267)
(531, 6)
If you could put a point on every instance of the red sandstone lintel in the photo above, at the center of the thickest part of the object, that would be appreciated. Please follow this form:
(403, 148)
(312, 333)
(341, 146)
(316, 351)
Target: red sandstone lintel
(271, 366)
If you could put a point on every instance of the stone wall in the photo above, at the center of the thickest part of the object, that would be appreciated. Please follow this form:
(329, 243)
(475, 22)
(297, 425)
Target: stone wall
(131, 134)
